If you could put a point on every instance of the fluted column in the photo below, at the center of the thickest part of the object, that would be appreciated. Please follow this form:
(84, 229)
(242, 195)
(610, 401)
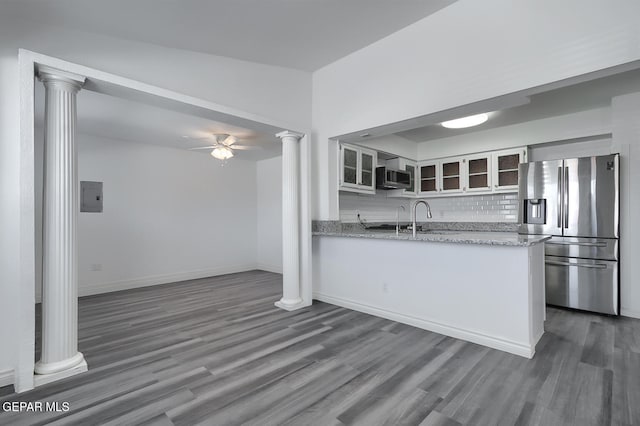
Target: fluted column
(290, 222)
(60, 356)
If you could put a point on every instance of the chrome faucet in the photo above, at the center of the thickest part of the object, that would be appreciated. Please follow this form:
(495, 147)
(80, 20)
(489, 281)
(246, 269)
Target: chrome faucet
(398, 219)
(415, 206)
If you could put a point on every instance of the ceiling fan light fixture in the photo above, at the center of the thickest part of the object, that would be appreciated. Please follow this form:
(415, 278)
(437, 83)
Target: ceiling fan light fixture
(222, 153)
(470, 121)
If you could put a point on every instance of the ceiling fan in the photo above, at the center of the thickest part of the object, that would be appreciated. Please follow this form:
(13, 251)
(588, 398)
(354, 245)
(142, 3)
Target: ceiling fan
(223, 146)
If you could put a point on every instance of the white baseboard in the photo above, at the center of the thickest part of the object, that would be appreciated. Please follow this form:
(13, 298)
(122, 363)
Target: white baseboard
(6, 378)
(108, 287)
(270, 268)
(515, 348)
(629, 313)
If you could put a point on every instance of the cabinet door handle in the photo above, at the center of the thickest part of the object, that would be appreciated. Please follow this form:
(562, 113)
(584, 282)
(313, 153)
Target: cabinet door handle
(496, 185)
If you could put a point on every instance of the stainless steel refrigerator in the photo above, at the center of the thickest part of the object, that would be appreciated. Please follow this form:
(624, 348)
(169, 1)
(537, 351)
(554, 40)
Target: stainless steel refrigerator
(577, 202)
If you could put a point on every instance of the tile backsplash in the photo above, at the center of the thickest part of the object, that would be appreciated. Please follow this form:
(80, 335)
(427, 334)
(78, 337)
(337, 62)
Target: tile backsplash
(468, 208)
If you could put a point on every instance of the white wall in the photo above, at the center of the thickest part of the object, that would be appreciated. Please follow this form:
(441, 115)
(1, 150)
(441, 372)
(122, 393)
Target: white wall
(464, 53)
(626, 140)
(169, 215)
(392, 144)
(269, 214)
(218, 220)
(581, 148)
(9, 209)
(564, 127)
(273, 92)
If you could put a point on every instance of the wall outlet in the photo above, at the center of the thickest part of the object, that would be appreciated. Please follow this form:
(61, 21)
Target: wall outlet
(95, 267)
(385, 288)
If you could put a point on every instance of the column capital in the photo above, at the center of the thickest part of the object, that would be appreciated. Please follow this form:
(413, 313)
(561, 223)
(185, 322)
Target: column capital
(47, 75)
(290, 134)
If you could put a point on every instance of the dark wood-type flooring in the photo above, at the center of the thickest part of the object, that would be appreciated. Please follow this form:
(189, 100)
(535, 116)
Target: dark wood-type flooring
(217, 352)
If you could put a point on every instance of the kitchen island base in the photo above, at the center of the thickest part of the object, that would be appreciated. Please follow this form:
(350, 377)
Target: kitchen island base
(492, 295)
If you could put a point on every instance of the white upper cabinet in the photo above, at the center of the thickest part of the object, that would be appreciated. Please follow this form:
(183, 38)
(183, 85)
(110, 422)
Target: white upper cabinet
(410, 167)
(357, 169)
(471, 174)
(505, 168)
(479, 172)
(428, 178)
(452, 175)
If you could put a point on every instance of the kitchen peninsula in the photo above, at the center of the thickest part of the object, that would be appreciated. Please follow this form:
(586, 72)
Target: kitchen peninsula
(483, 287)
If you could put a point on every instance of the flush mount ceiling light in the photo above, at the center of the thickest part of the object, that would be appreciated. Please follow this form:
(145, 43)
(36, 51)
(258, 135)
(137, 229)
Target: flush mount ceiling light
(461, 123)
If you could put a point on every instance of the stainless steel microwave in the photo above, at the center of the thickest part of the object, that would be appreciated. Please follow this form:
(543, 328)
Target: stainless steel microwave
(387, 178)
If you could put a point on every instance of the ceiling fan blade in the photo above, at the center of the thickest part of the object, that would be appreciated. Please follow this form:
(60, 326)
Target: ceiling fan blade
(229, 140)
(196, 139)
(245, 147)
(202, 147)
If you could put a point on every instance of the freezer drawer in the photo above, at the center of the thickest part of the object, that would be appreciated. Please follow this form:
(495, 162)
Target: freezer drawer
(587, 248)
(587, 284)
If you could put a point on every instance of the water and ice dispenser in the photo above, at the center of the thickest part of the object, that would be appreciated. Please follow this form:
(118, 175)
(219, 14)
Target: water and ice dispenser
(535, 211)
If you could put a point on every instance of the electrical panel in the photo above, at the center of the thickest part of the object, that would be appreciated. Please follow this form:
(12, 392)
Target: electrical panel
(91, 197)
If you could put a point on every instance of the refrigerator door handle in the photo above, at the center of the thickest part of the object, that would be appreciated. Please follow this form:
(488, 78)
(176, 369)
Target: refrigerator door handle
(579, 265)
(566, 197)
(560, 185)
(571, 243)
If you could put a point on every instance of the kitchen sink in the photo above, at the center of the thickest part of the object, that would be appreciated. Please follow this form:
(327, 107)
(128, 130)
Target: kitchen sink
(403, 230)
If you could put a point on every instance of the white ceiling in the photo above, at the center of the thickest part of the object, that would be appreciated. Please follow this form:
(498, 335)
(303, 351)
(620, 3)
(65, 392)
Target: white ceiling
(532, 104)
(302, 34)
(566, 100)
(119, 119)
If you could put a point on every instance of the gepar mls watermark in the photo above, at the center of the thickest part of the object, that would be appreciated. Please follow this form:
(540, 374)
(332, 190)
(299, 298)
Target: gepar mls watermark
(36, 407)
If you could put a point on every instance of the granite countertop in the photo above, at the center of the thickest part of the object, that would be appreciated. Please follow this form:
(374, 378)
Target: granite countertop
(444, 236)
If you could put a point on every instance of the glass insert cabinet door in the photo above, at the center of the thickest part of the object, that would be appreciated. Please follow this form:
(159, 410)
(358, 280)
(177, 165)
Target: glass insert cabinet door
(505, 166)
(428, 178)
(357, 168)
(479, 173)
(451, 176)
(367, 169)
(350, 166)
(411, 169)
(508, 169)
